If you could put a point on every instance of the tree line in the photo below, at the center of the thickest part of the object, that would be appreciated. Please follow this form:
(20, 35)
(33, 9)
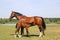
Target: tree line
(52, 20)
(47, 20)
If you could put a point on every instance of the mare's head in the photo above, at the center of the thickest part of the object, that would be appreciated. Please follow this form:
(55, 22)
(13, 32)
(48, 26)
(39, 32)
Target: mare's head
(14, 14)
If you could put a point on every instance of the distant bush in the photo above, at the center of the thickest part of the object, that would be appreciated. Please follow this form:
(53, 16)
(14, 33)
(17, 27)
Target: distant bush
(5, 20)
(52, 20)
(47, 20)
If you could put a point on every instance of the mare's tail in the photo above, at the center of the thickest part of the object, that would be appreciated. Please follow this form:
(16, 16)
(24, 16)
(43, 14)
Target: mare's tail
(43, 23)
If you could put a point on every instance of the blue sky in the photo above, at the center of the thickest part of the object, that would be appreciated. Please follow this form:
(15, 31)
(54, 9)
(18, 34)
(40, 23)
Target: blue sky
(43, 8)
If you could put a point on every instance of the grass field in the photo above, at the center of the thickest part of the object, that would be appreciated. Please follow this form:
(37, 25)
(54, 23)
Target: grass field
(52, 32)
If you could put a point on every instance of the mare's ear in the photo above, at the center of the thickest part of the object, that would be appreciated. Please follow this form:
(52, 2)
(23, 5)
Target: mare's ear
(13, 11)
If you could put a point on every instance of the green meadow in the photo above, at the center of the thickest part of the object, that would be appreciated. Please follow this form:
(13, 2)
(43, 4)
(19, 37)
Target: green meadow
(52, 32)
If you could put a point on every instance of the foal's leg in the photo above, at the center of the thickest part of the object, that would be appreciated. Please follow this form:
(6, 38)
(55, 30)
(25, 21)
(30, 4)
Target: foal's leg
(22, 30)
(17, 31)
(27, 32)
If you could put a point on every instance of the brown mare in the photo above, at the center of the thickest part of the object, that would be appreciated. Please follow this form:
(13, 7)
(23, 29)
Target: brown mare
(26, 22)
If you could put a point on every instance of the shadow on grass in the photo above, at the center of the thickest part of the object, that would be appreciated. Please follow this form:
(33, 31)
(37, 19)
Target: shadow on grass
(33, 35)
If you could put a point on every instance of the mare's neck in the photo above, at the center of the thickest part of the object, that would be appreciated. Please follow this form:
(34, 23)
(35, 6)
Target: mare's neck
(18, 17)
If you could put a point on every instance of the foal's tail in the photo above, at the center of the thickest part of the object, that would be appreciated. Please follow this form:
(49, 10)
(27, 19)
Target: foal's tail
(43, 23)
(16, 25)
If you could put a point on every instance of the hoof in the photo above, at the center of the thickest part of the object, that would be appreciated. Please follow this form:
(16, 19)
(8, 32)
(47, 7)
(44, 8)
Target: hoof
(14, 36)
(19, 36)
(41, 36)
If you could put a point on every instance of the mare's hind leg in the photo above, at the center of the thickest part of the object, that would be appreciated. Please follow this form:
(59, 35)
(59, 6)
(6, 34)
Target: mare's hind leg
(41, 31)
